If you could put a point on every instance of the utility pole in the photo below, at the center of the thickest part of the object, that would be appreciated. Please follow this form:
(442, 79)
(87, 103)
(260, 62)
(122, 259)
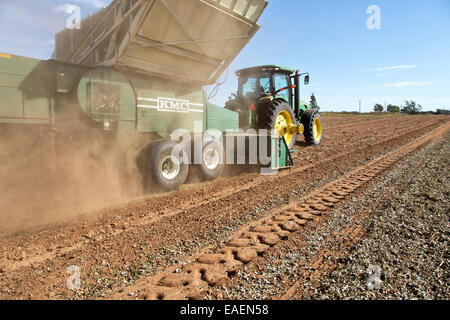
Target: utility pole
(359, 106)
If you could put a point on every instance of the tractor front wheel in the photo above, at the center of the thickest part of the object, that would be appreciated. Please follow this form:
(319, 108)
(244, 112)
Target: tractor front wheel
(312, 121)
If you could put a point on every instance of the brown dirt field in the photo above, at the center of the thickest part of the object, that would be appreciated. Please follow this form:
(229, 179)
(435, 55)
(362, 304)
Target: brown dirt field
(123, 250)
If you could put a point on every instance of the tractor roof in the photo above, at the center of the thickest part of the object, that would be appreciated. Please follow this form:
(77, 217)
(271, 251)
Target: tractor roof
(265, 68)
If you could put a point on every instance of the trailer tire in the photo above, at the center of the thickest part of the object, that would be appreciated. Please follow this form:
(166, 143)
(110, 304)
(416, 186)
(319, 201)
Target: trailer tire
(212, 161)
(168, 170)
(312, 121)
(276, 110)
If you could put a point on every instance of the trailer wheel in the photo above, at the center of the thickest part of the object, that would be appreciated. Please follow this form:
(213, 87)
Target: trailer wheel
(280, 116)
(212, 161)
(312, 122)
(168, 169)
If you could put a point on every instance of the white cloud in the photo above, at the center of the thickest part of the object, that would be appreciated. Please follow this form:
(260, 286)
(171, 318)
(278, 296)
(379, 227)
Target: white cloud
(95, 3)
(98, 4)
(404, 84)
(393, 68)
(62, 8)
(401, 67)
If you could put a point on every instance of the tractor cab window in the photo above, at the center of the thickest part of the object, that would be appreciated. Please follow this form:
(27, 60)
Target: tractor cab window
(249, 86)
(265, 85)
(280, 82)
(254, 86)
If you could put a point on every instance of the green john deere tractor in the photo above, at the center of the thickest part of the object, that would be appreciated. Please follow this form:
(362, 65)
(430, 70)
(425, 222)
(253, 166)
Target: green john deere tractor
(269, 98)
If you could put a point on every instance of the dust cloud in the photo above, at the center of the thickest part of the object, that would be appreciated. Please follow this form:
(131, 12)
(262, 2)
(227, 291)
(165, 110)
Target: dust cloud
(43, 183)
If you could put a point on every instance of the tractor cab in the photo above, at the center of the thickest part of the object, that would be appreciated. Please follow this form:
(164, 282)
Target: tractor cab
(268, 97)
(264, 81)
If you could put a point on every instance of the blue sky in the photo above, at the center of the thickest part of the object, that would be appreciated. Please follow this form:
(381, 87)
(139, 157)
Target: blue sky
(409, 58)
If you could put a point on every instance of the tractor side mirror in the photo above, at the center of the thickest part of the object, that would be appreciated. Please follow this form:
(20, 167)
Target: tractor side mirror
(306, 80)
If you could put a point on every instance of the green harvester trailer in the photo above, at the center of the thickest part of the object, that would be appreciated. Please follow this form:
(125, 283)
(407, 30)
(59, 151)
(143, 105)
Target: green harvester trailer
(133, 75)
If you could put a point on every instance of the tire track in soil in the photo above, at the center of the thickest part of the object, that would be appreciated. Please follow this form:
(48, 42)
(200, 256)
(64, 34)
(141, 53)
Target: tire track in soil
(60, 255)
(311, 271)
(253, 240)
(356, 124)
(340, 121)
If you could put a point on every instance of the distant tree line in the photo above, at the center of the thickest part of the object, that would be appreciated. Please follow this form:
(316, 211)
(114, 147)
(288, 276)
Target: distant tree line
(378, 108)
(410, 107)
(443, 111)
(392, 108)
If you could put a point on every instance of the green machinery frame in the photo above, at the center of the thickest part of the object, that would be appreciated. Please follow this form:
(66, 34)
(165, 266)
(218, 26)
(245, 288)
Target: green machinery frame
(36, 92)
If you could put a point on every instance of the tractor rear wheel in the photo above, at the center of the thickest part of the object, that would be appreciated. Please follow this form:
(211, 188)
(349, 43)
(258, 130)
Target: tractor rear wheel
(312, 121)
(280, 117)
(167, 168)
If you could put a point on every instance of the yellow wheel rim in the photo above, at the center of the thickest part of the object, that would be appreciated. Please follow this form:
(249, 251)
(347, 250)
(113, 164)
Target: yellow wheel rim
(317, 129)
(282, 124)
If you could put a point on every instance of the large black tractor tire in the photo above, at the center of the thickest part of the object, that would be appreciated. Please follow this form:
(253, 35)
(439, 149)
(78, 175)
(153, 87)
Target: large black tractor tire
(168, 170)
(212, 161)
(312, 121)
(270, 118)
